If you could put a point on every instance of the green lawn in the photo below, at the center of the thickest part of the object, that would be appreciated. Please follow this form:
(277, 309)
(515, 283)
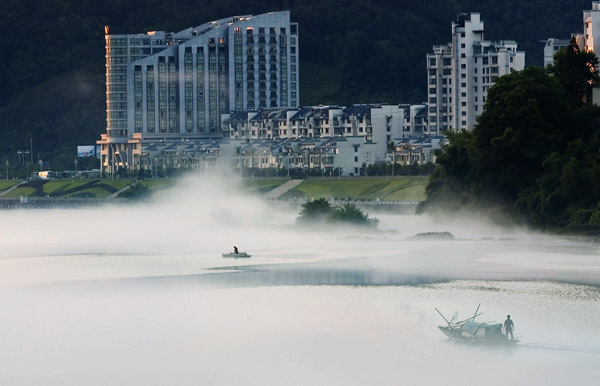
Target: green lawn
(370, 188)
(261, 185)
(92, 192)
(118, 184)
(383, 188)
(20, 191)
(159, 183)
(57, 186)
(7, 184)
(93, 188)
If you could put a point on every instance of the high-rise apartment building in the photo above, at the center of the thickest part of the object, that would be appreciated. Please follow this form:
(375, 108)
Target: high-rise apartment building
(460, 73)
(589, 40)
(177, 85)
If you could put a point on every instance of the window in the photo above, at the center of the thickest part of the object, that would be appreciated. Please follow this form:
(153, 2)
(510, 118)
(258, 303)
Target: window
(431, 62)
(356, 158)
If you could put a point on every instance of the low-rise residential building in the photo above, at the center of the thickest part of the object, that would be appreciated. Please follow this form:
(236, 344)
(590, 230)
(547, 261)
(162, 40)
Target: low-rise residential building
(418, 149)
(551, 46)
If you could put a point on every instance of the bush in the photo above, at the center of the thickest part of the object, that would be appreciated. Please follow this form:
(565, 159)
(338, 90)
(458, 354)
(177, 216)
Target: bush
(320, 211)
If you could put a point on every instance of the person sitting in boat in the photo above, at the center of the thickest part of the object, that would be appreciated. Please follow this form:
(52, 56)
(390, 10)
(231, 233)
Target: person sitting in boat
(235, 250)
(509, 326)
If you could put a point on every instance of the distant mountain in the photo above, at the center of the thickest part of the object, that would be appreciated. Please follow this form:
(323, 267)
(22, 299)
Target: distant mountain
(351, 51)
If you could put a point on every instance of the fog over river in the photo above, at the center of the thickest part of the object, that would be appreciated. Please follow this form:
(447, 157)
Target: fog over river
(140, 295)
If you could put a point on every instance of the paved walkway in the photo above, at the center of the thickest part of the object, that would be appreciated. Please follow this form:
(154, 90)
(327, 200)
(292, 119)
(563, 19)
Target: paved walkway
(12, 188)
(281, 189)
(115, 194)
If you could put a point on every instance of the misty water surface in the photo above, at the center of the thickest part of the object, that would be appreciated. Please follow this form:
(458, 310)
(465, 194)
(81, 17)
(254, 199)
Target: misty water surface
(141, 296)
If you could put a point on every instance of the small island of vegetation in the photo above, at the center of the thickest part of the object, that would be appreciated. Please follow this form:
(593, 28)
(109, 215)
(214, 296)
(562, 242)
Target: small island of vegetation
(321, 212)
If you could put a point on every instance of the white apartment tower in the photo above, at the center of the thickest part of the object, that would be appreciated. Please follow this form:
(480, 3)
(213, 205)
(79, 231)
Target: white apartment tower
(176, 85)
(460, 73)
(589, 40)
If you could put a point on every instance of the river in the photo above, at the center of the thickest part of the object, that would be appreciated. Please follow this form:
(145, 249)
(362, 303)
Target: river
(141, 296)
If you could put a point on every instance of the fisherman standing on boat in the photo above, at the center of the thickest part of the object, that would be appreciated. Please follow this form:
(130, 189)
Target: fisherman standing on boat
(509, 326)
(235, 250)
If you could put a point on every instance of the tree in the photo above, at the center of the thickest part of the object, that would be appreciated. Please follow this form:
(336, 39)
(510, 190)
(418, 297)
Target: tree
(526, 118)
(319, 211)
(576, 71)
(532, 156)
(350, 214)
(314, 211)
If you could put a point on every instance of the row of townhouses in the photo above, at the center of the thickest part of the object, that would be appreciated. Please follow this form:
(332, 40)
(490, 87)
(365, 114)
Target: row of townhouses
(227, 91)
(333, 156)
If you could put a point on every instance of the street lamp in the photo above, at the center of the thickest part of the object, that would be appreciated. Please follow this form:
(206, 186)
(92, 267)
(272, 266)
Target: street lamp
(40, 162)
(6, 163)
(75, 162)
(19, 152)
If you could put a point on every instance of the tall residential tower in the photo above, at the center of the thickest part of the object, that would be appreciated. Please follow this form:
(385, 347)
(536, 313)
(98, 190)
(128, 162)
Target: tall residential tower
(460, 73)
(177, 85)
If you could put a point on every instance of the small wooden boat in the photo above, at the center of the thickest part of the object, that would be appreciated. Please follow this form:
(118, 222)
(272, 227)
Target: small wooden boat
(470, 331)
(239, 255)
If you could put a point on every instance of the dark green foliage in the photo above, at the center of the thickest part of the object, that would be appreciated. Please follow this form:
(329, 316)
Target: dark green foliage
(352, 51)
(320, 212)
(314, 211)
(350, 214)
(533, 155)
(576, 71)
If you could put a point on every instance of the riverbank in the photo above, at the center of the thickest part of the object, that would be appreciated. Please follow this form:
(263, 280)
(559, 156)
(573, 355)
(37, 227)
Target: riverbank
(374, 191)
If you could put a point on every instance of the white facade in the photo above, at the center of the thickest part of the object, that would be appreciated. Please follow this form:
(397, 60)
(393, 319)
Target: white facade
(589, 40)
(550, 47)
(416, 121)
(375, 124)
(177, 85)
(460, 73)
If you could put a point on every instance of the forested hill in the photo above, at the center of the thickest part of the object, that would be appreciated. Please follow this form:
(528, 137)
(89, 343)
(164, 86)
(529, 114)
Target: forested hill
(351, 51)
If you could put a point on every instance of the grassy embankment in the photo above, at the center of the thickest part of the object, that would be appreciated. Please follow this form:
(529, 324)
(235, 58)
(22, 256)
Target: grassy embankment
(372, 188)
(93, 188)
(7, 184)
